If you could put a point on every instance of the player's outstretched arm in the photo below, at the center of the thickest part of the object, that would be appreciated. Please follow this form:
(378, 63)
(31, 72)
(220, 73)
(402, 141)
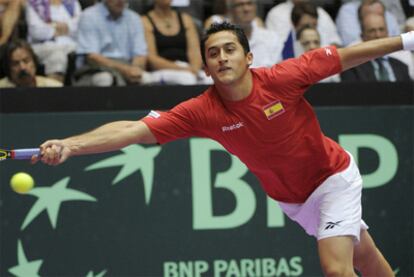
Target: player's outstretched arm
(109, 137)
(363, 52)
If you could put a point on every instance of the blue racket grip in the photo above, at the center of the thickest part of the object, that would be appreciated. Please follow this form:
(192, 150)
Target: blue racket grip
(25, 154)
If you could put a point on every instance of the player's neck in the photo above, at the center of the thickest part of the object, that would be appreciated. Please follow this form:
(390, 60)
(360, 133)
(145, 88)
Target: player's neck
(238, 90)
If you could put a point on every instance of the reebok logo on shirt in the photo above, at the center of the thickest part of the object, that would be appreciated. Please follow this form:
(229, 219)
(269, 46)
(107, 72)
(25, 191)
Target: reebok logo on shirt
(328, 52)
(232, 127)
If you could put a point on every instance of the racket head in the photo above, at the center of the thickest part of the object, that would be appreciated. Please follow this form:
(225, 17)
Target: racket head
(4, 154)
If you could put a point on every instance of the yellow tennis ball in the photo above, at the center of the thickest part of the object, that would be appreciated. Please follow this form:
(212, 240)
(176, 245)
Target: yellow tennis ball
(21, 182)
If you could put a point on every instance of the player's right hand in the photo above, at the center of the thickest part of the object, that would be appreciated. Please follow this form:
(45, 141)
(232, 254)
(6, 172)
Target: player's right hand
(53, 152)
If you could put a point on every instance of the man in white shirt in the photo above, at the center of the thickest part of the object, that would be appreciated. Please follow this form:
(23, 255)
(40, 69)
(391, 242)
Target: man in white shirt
(52, 27)
(278, 19)
(265, 45)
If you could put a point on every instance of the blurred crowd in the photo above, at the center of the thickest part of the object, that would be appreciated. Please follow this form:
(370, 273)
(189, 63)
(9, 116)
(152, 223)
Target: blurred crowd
(53, 43)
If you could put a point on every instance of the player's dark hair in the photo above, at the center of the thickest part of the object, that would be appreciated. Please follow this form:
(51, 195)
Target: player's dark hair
(303, 8)
(9, 50)
(220, 27)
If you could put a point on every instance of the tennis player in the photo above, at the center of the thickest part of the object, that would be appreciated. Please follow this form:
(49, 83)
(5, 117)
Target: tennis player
(261, 116)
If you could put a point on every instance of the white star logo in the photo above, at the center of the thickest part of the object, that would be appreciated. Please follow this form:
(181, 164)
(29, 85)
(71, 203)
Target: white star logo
(50, 199)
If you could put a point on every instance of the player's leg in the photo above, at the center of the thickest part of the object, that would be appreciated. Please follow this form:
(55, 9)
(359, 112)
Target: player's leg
(368, 259)
(336, 256)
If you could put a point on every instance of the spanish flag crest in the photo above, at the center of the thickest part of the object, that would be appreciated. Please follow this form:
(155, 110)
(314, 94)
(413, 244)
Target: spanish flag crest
(273, 109)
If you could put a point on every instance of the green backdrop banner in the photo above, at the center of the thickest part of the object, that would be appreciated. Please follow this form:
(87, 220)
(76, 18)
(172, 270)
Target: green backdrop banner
(188, 208)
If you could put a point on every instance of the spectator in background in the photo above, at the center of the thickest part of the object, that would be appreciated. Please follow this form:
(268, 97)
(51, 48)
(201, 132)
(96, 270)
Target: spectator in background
(10, 11)
(309, 39)
(111, 46)
(279, 20)
(384, 69)
(173, 45)
(347, 19)
(264, 44)
(409, 25)
(87, 3)
(222, 13)
(52, 26)
(20, 66)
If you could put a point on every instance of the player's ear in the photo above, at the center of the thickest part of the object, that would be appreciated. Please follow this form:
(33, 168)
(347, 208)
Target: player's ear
(249, 58)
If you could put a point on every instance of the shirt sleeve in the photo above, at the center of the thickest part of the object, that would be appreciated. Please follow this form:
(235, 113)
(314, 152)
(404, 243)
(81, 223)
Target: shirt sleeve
(292, 77)
(347, 23)
(39, 30)
(392, 24)
(139, 47)
(88, 36)
(183, 121)
(327, 28)
(74, 21)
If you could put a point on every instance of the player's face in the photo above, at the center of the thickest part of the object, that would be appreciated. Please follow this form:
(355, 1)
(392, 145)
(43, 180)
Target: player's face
(22, 68)
(226, 61)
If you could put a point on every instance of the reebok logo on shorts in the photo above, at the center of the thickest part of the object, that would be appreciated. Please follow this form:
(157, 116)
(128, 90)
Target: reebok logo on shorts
(331, 224)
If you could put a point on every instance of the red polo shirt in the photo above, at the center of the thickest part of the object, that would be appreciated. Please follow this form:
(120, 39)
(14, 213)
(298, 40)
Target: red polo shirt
(274, 130)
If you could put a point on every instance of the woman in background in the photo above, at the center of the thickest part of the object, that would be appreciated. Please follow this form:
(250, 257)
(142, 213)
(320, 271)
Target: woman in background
(10, 11)
(173, 45)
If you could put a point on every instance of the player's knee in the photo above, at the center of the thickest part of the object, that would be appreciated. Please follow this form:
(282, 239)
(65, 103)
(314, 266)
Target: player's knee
(363, 261)
(338, 270)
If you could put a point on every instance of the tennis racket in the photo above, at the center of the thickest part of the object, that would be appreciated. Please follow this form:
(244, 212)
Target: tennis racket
(18, 154)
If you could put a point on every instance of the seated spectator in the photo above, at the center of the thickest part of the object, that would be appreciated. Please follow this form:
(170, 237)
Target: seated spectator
(221, 13)
(173, 45)
(20, 65)
(347, 19)
(384, 69)
(111, 46)
(395, 7)
(52, 26)
(264, 44)
(409, 24)
(87, 3)
(10, 11)
(279, 20)
(309, 39)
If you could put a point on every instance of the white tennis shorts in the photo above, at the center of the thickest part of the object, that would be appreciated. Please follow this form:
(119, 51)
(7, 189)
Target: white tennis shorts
(334, 208)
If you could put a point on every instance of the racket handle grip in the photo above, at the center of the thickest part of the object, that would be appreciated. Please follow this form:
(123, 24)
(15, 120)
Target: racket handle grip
(25, 154)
